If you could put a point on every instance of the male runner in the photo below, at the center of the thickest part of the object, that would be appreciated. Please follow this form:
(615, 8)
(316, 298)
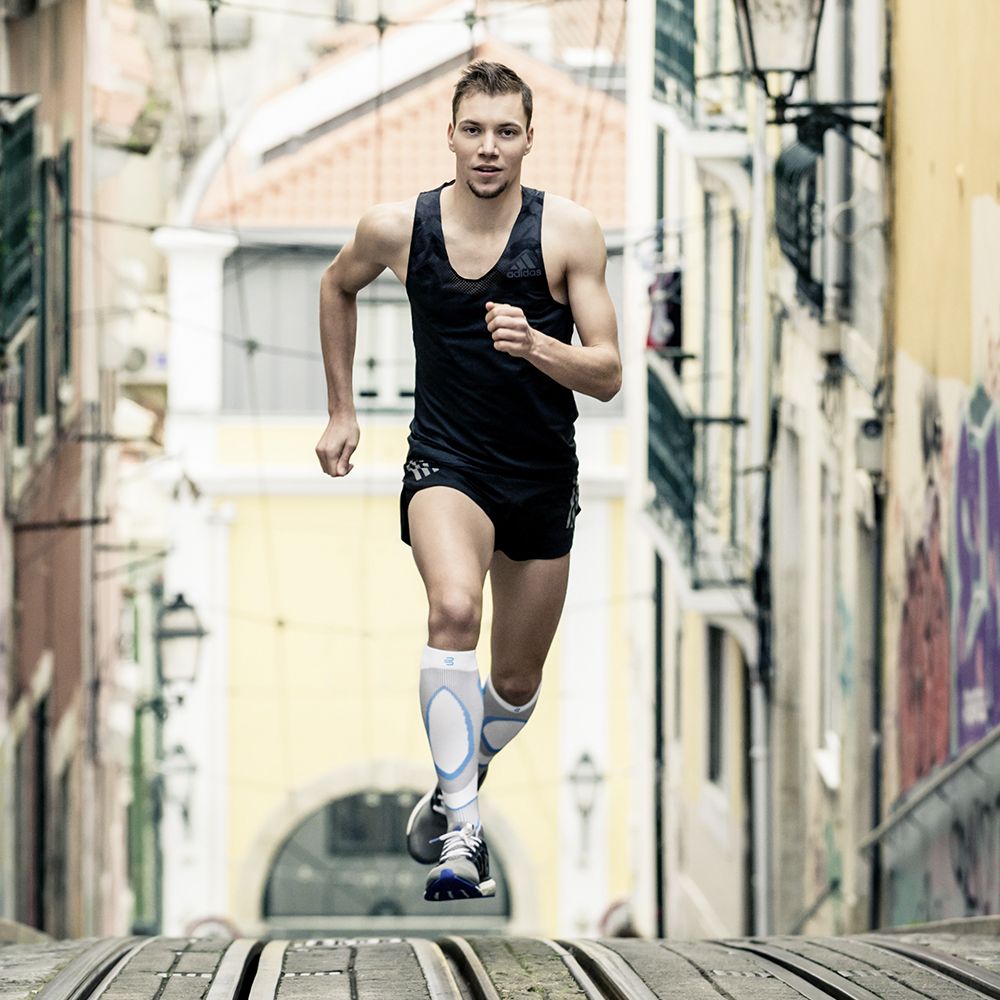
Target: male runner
(496, 275)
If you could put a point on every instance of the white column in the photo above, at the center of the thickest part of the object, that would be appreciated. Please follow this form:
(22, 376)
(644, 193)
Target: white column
(195, 845)
(640, 194)
(195, 863)
(196, 263)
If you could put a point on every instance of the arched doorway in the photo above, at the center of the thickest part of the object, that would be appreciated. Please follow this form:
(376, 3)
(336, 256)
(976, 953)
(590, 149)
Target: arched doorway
(344, 870)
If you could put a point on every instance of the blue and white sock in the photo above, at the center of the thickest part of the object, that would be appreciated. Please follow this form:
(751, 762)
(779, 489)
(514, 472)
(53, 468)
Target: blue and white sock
(451, 703)
(501, 722)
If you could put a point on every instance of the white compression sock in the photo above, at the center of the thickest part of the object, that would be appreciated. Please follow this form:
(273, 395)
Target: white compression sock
(451, 703)
(501, 722)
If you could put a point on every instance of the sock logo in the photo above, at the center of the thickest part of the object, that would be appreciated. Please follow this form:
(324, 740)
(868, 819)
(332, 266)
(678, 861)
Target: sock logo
(525, 265)
(449, 661)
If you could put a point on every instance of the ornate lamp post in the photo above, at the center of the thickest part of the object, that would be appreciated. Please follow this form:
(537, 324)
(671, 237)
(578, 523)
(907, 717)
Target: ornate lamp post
(178, 624)
(585, 779)
(778, 40)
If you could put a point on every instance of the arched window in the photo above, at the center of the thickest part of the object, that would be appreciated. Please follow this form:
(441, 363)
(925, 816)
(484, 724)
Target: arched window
(345, 868)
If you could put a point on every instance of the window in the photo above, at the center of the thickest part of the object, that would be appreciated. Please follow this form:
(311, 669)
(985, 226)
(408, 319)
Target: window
(271, 298)
(716, 702)
(673, 70)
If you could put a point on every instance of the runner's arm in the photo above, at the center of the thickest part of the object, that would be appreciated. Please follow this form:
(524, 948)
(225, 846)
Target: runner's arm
(593, 366)
(360, 262)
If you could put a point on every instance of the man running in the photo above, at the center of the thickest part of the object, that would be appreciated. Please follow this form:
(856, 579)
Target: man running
(496, 274)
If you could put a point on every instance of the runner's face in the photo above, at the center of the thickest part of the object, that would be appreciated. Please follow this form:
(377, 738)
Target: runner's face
(489, 139)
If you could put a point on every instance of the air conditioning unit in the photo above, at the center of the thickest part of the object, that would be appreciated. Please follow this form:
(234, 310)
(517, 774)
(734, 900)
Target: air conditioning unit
(144, 347)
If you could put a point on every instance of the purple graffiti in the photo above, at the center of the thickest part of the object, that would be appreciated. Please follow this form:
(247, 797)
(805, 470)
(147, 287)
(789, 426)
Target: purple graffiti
(975, 591)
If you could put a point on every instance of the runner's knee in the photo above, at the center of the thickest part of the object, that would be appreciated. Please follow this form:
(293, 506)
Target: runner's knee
(454, 619)
(517, 689)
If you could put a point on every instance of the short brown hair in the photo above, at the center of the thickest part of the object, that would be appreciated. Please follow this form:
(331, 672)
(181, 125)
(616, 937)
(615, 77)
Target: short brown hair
(492, 78)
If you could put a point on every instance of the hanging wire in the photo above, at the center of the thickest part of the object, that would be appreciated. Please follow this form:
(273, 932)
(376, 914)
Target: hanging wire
(581, 142)
(605, 103)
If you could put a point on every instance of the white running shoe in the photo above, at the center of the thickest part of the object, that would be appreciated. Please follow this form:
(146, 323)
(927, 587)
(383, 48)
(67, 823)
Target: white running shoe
(464, 869)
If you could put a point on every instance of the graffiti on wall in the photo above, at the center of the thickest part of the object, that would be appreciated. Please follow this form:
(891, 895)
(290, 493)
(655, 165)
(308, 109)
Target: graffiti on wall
(924, 675)
(976, 573)
(949, 650)
(949, 646)
(944, 860)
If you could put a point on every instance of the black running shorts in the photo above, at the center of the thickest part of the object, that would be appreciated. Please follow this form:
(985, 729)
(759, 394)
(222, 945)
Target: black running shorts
(531, 519)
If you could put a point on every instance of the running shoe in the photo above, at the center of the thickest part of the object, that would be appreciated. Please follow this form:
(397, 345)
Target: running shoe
(464, 869)
(428, 822)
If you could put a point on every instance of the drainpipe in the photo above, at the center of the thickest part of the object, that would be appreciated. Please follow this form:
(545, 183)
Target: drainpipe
(838, 207)
(875, 870)
(759, 420)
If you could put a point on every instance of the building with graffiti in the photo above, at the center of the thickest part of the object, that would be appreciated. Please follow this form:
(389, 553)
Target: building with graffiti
(938, 846)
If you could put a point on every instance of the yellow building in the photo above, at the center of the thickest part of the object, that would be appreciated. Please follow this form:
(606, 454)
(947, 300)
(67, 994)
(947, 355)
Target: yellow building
(942, 592)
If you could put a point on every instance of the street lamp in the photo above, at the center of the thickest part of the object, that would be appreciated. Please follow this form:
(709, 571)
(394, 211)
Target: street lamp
(178, 623)
(585, 779)
(778, 41)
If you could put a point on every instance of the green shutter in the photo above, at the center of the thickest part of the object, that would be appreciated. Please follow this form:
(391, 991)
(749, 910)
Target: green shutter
(17, 199)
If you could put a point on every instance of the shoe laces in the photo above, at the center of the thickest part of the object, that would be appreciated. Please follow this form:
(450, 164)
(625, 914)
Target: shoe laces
(460, 843)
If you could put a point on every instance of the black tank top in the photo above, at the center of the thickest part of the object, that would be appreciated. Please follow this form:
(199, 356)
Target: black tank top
(476, 407)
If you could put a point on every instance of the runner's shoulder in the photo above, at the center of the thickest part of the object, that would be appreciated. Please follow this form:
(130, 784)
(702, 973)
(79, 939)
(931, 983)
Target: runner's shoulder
(569, 220)
(385, 228)
(573, 232)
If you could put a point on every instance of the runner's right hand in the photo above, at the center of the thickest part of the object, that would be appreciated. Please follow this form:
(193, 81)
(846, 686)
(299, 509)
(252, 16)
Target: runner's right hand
(337, 445)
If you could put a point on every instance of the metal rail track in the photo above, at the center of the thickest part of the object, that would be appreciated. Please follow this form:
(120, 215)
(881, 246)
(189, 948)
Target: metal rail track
(798, 970)
(868, 967)
(975, 977)
(87, 975)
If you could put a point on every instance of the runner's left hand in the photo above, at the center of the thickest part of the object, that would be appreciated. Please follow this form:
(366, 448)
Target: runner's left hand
(510, 329)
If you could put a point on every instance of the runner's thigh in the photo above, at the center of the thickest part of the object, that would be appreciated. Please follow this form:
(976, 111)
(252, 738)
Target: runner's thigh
(452, 539)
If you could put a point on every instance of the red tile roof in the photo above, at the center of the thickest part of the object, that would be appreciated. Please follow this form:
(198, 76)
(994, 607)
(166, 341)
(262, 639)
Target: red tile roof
(579, 152)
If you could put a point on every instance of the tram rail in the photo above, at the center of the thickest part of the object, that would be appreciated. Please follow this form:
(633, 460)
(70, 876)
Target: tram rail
(862, 967)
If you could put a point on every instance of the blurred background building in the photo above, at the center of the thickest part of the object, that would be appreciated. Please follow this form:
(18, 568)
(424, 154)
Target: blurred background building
(781, 646)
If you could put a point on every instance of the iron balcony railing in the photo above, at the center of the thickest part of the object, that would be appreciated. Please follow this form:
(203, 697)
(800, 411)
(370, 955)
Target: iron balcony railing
(671, 454)
(796, 212)
(18, 292)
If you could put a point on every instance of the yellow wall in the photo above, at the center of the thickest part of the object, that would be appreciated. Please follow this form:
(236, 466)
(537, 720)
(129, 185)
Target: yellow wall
(336, 684)
(946, 148)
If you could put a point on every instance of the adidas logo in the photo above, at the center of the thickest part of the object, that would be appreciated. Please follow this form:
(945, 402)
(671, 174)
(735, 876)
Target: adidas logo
(525, 266)
(419, 470)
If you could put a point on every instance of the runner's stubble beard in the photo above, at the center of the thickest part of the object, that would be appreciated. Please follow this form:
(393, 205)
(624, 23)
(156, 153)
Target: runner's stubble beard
(485, 195)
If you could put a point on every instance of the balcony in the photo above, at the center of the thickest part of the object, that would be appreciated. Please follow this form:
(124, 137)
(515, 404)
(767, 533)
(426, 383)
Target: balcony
(797, 212)
(671, 456)
(693, 468)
